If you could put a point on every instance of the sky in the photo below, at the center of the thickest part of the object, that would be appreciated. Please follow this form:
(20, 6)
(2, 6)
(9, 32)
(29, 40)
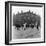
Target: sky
(36, 10)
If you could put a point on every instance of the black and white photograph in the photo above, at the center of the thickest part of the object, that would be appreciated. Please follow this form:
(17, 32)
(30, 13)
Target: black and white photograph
(26, 22)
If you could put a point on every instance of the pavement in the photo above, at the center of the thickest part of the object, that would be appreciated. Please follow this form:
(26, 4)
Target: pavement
(28, 33)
